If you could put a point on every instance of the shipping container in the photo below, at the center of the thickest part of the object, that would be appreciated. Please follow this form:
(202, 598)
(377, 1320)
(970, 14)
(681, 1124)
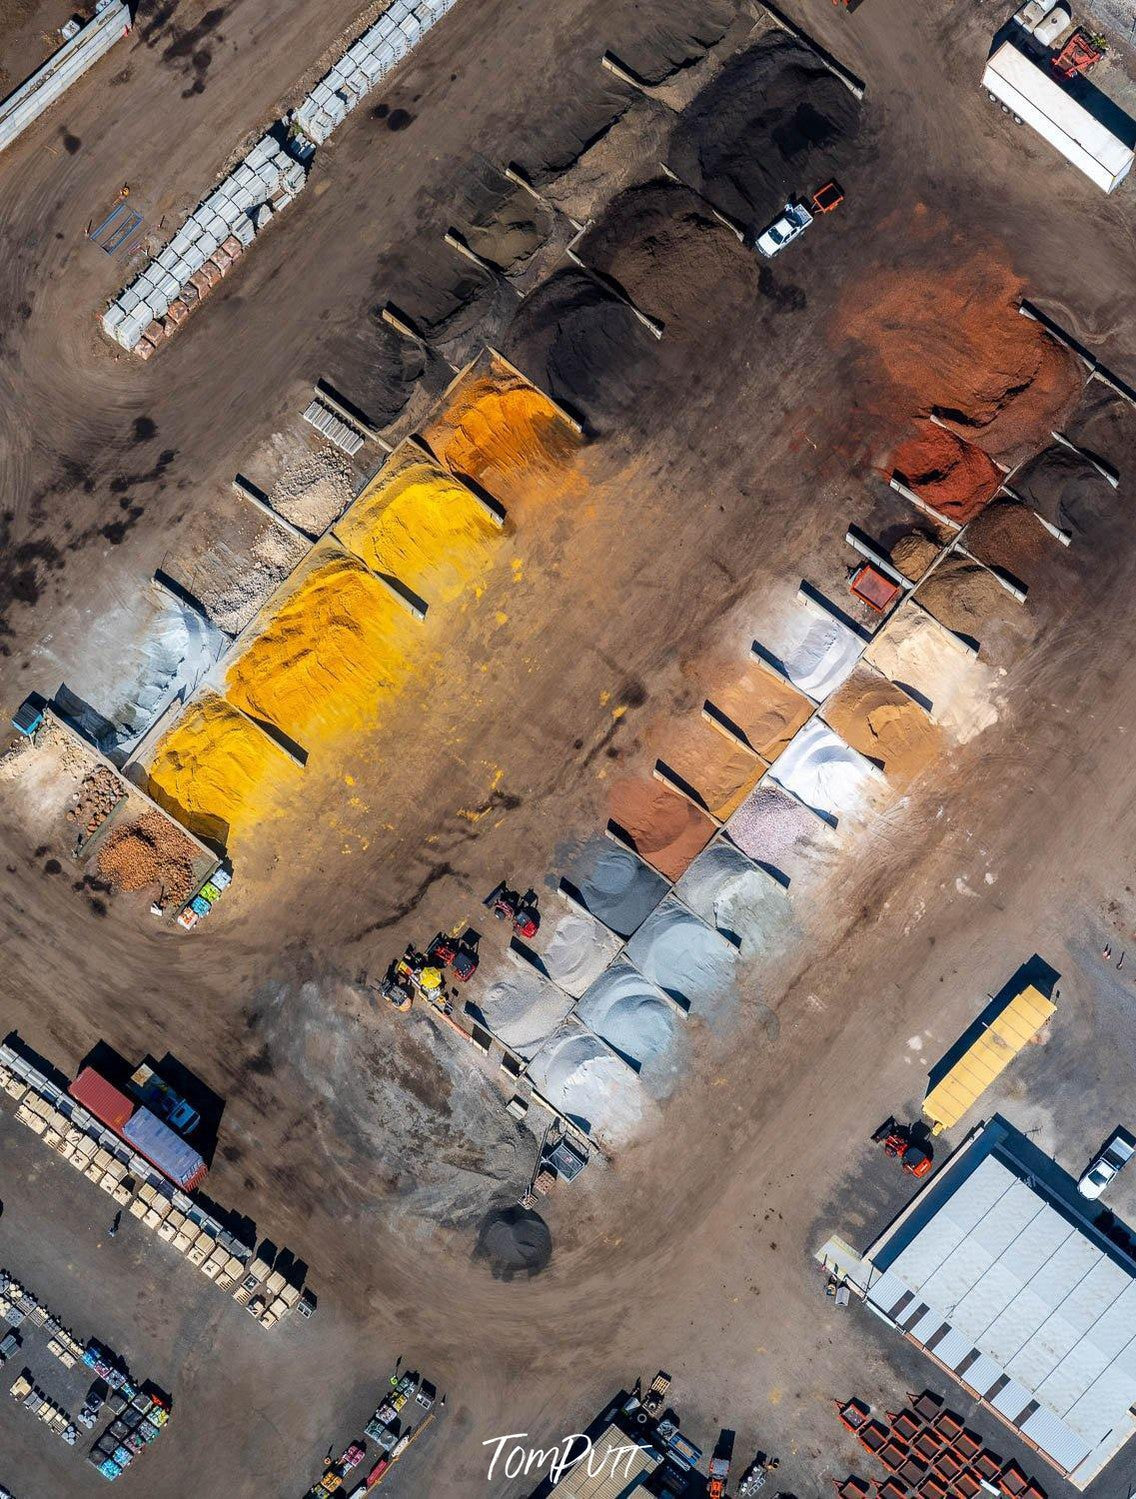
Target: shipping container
(169, 1152)
(1034, 95)
(102, 1099)
(991, 1050)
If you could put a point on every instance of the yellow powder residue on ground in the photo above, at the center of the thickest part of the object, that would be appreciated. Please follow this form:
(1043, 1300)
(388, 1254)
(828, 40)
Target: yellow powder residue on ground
(331, 652)
(880, 720)
(217, 773)
(720, 771)
(417, 523)
(497, 426)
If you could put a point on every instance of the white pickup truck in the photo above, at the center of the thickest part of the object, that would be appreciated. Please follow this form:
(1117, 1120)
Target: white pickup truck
(789, 226)
(1117, 1153)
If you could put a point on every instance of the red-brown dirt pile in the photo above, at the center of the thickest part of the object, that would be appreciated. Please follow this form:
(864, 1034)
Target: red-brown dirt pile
(950, 340)
(952, 475)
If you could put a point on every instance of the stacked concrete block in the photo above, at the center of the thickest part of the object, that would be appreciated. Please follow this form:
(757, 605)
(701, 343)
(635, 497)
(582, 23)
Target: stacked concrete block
(365, 64)
(208, 244)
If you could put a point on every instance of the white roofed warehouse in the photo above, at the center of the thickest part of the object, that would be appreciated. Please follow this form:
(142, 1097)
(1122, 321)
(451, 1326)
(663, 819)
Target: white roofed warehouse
(1006, 1283)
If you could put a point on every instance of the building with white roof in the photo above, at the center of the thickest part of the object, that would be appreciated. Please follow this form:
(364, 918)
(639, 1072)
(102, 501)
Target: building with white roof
(997, 1271)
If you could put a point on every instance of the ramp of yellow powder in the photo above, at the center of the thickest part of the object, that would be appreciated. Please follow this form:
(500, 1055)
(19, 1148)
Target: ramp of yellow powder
(417, 523)
(216, 772)
(496, 426)
(328, 655)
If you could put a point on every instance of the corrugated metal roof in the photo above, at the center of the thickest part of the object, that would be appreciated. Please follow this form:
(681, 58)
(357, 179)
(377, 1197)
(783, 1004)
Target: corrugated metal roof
(987, 1056)
(1065, 1447)
(1038, 1298)
(103, 1099)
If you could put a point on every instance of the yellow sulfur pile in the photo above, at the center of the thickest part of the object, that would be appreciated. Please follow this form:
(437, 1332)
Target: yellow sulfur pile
(216, 772)
(497, 426)
(328, 655)
(417, 523)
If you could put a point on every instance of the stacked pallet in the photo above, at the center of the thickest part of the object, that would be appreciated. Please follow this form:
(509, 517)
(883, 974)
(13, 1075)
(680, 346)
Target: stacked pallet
(364, 65)
(208, 244)
(929, 1454)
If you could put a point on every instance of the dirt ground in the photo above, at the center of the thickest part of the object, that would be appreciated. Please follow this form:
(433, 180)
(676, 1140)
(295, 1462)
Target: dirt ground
(724, 464)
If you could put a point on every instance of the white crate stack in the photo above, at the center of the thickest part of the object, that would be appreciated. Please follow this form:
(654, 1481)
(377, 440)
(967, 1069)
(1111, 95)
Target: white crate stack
(211, 240)
(364, 65)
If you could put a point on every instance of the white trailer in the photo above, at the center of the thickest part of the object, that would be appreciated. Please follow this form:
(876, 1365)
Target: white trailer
(1033, 95)
(59, 72)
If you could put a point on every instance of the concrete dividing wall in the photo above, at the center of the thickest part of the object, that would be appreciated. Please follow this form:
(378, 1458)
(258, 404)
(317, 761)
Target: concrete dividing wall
(57, 75)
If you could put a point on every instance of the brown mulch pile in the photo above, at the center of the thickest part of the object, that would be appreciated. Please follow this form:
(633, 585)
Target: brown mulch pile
(151, 851)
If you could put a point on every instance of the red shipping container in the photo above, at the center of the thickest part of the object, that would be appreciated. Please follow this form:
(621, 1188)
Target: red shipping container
(101, 1098)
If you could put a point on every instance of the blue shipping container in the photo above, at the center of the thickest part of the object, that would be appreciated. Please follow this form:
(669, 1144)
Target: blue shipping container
(169, 1152)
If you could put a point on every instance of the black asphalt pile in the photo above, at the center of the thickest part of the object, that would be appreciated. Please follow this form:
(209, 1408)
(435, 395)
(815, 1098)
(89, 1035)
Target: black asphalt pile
(500, 221)
(772, 125)
(668, 252)
(514, 1241)
(670, 36)
(1067, 490)
(583, 345)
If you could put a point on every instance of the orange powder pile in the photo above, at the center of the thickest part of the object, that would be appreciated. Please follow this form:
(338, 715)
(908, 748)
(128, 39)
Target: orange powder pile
(877, 718)
(498, 428)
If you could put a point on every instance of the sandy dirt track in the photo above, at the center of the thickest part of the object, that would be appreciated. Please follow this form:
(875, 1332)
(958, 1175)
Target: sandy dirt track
(727, 463)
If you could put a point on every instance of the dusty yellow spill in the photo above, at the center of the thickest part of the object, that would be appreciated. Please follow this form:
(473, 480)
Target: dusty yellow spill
(330, 654)
(417, 523)
(497, 426)
(216, 772)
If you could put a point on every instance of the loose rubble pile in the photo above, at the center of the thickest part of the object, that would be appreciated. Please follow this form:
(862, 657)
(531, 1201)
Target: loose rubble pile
(95, 800)
(147, 852)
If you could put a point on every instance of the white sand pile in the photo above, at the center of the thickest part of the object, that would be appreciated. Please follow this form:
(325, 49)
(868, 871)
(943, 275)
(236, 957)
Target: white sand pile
(585, 1080)
(748, 906)
(578, 951)
(630, 1014)
(781, 834)
(826, 774)
(914, 651)
(522, 1008)
(687, 959)
(815, 654)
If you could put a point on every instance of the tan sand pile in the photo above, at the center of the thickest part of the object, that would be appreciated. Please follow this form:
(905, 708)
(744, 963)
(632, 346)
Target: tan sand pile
(917, 654)
(885, 724)
(913, 554)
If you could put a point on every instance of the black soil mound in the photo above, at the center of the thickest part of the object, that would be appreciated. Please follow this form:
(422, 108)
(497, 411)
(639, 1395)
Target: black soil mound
(667, 251)
(378, 369)
(1103, 424)
(1066, 489)
(514, 1241)
(583, 345)
(500, 221)
(670, 35)
(590, 102)
(773, 124)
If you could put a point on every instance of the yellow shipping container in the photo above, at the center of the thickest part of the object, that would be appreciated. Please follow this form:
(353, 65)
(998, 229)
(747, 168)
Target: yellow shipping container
(986, 1057)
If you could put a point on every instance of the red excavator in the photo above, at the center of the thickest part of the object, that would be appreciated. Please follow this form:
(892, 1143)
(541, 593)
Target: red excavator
(898, 1141)
(454, 952)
